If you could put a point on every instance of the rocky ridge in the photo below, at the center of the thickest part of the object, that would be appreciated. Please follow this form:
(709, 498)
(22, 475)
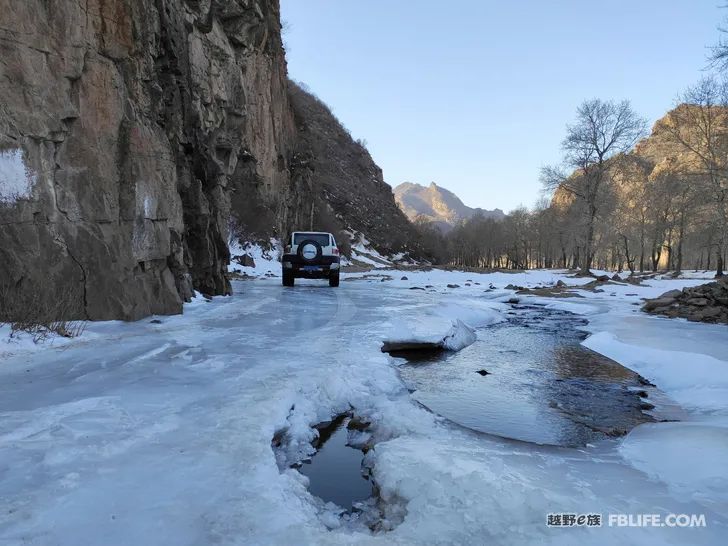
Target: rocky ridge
(438, 205)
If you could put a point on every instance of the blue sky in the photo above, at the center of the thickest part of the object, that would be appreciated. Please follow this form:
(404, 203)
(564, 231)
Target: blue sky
(475, 95)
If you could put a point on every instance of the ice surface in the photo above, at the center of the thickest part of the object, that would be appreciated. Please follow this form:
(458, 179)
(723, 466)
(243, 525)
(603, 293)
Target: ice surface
(141, 433)
(689, 457)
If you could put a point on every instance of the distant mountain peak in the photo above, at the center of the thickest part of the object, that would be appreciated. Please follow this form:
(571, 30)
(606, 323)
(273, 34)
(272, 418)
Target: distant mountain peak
(437, 204)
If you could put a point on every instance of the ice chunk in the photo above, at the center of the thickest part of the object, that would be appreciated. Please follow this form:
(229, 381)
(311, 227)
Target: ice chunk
(459, 336)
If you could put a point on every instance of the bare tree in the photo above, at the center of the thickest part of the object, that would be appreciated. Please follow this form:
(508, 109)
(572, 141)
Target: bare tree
(718, 57)
(700, 126)
(602, 130)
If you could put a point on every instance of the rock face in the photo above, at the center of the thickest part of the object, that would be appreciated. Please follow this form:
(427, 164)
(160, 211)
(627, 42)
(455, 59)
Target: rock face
(438, 205)
(124, 128)
(132, 133)
(704, 303)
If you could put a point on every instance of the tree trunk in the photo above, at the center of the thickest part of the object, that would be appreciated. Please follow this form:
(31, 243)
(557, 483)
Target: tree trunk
(630, 261)
(719, 266)
(680, 233)
(588, 250)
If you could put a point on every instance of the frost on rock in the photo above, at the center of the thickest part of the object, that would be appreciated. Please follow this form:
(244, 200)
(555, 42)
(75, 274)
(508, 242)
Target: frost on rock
(16, 178)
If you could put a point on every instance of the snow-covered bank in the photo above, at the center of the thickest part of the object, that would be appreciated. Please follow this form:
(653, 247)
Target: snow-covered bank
(161, 433)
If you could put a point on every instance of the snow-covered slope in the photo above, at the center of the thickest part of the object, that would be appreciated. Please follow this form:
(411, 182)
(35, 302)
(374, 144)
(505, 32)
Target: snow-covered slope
(261, 259)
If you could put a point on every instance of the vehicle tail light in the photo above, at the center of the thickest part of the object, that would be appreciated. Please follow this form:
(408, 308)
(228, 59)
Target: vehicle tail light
(288, 249)
(335, 251)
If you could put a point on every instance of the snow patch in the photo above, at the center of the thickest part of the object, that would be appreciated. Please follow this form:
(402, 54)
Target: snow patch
(363, 251)
(16, 178)
(267, 258)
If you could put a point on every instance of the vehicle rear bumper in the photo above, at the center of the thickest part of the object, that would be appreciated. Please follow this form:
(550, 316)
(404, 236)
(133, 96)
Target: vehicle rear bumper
(319, 269)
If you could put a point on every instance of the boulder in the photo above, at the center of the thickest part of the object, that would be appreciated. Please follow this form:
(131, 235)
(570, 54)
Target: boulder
(660, 302)
(704, 303)
(671, 294)
(245, 260)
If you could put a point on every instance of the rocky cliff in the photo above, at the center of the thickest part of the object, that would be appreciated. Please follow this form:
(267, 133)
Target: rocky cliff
(134, 134)
(124, 129)
(437, 205)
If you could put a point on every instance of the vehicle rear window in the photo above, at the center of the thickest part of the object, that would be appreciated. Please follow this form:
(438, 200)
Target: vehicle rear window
(320, 238)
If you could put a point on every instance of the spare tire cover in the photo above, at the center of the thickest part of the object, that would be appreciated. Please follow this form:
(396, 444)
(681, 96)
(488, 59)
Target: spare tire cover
(309, 250)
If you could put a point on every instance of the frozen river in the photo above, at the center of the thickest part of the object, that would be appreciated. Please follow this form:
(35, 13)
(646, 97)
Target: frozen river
(149, 433)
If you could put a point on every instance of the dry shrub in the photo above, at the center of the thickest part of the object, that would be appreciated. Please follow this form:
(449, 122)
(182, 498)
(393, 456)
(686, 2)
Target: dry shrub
(41, 312)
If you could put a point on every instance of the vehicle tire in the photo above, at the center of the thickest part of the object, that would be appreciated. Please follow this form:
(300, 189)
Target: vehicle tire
(306, 257)
(334, 280)
(288, 279)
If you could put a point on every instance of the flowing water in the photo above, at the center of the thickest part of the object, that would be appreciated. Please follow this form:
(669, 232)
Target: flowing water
(530, 379)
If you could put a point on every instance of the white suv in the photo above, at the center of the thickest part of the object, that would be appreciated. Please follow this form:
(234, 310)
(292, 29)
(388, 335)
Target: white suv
(311, 255)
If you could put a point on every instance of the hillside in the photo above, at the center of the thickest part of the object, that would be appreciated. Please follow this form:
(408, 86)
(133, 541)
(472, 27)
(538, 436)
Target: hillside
(437, 204)
(348, 183)
(657, 207)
